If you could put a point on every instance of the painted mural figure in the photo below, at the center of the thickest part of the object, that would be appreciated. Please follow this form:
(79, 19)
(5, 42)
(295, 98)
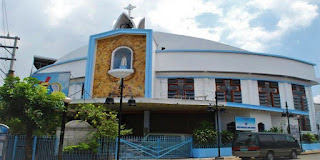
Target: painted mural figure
(123, 64)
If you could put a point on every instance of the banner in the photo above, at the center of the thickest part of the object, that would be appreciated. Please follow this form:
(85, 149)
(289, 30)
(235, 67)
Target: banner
(55, 81)
(245, 123)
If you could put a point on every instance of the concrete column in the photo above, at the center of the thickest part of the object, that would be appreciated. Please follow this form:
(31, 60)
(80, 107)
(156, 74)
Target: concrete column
(146, 123)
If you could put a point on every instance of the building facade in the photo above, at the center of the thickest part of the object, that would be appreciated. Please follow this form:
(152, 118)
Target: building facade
(176, 77)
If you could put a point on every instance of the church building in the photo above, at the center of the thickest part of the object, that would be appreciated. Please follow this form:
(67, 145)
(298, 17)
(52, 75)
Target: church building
(175, 78)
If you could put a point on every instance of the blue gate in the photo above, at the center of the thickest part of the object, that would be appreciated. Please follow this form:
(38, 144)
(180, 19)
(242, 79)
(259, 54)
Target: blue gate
(155, 147)
(3, 140)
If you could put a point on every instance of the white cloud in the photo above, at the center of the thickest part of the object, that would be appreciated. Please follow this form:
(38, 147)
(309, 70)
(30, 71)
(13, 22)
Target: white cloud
(177, 17)
(58, 10)
(316, 99)
(233, 23)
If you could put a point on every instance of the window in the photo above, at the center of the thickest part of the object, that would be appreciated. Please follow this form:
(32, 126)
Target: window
(261, 127)
(279, 138)
(228, 90)
(299, 97)
(305, 123)
(266, 138)
(269, 94)
(231, 127)
(181, 88)
(290, 139)
(122, 58)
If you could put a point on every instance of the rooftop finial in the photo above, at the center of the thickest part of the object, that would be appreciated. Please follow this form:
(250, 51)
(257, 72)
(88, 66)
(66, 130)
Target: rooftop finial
(129, 8)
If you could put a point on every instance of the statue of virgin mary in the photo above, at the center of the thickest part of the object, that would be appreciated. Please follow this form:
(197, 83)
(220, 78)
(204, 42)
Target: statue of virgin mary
(123, 64)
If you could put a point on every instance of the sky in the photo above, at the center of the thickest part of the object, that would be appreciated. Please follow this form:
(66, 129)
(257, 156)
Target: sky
(53, 28)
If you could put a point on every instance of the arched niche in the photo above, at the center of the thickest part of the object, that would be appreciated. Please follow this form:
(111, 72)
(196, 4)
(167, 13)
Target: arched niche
(122, 58)
(261, 127)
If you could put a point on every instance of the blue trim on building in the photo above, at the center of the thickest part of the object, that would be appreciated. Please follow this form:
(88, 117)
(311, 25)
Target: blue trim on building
(231, 51)
(212, 77)
(264, 108)
(59, 63)
(91, 54)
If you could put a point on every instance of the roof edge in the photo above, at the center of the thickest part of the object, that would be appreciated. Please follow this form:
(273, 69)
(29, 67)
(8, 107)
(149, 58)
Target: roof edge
(241, 52)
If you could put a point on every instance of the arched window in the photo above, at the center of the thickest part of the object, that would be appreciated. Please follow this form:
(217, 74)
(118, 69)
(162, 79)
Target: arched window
(231, 127)
(122, 58)
(260, 127)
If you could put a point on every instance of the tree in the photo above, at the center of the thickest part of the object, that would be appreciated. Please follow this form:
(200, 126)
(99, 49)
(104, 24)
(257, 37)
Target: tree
(103, 119)
(105, 122)
(30, 104)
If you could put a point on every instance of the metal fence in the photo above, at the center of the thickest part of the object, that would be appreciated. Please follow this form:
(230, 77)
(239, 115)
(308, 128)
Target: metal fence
(153, 147)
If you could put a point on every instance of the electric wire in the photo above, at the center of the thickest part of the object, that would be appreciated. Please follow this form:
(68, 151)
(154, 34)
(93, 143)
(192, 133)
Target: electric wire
(83, 90)
(5, 11)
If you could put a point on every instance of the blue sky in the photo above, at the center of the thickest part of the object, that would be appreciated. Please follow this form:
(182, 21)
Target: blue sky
(53, 28)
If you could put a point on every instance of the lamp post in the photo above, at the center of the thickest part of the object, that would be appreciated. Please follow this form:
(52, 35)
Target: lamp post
(66, 101)
(288, 115)
(216, 110)
(298, 118)
(120, 73)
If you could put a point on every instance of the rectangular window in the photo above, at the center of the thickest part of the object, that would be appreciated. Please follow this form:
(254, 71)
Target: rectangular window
(269, 94)
(305, 123)
(181, 88)
(264, 138)
(299, 97)
(229, 90)
(279, 138)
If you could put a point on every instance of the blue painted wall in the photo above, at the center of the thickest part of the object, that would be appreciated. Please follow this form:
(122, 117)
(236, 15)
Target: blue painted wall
(210, 152)
(311, 147)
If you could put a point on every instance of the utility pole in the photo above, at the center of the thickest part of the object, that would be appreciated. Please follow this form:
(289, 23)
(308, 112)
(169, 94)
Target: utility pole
(13, 54)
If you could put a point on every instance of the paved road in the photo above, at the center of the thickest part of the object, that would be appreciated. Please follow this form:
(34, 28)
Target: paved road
(307, 157)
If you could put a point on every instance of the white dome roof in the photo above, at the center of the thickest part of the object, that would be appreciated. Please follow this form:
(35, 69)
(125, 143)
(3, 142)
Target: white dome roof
(167, 40)
(181, 42)
(78, 53)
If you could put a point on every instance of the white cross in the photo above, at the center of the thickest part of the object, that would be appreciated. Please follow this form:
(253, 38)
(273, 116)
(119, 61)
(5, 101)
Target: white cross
(129, 8)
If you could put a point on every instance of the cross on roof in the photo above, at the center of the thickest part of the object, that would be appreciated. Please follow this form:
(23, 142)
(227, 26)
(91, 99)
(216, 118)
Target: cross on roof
(129, 8)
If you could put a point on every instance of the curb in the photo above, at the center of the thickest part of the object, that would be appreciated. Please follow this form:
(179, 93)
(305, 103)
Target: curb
(310, 152)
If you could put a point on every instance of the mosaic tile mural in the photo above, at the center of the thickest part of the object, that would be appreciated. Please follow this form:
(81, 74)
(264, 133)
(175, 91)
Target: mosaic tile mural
(105, 84)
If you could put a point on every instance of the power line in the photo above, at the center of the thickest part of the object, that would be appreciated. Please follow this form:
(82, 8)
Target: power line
(83, 89)
(5, 17)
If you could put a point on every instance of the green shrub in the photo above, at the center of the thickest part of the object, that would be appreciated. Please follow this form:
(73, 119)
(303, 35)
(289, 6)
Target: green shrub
(79, 147)
(226, 137)
(309, 138)
(205, 134)
(275, 130)
(91, 146)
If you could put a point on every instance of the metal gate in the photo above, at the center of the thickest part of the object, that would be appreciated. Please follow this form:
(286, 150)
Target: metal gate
(155, 147)
(3, 140)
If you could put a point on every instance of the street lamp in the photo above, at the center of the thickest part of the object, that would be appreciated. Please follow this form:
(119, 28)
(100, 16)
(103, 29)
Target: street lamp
(298, 118)
(120, 73)
(66, 101)
(216, 110)
(288, 115)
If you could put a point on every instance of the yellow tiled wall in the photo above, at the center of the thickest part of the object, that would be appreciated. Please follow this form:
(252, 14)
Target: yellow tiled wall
(103, 83)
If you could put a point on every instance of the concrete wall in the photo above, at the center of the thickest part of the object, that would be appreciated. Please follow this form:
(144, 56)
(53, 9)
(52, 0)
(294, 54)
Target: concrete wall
(250, 95)
(233, 62)
(76, 131)
(77, 68)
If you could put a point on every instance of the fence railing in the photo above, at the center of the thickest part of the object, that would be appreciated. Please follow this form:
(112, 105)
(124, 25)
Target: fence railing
(152, 147)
